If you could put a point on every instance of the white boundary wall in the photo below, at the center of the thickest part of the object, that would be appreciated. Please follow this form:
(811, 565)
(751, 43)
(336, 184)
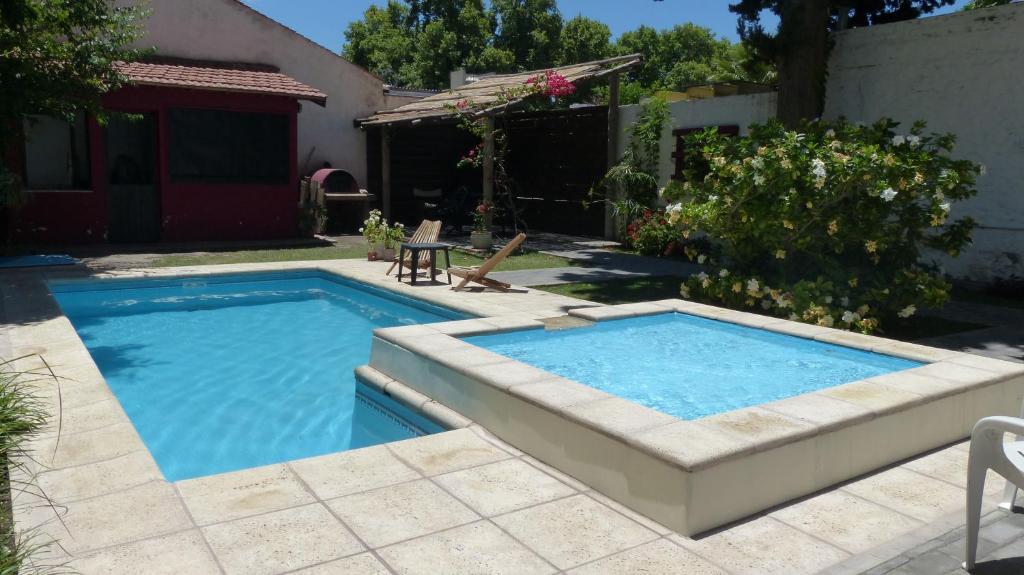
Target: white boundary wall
(739, 110)
(228, 30)
(962, 73)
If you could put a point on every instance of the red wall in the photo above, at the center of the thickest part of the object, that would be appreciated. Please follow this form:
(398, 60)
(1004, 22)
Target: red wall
(190, 212)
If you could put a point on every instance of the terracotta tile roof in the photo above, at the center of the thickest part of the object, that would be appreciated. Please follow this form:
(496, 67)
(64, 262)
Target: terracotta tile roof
(219, 76)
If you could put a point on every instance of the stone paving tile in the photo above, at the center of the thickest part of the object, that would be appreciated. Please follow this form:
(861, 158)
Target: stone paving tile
(94, 479)
(764, 546)
(572, 531)
(137, 513)
(88, 446)
(661, 557)
(280, 541)
(847, 522)
(399, 512)
(348, 472)
(476, 548)
(449, 451)
(227, 496)
(502, 487)
(175, 554)
(363, 564)
(88, 417)
(910, 493)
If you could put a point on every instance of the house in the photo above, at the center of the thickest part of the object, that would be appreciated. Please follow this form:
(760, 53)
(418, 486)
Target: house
(229, 113)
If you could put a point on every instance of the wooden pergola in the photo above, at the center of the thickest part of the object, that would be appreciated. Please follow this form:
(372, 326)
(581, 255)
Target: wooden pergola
(490, 97)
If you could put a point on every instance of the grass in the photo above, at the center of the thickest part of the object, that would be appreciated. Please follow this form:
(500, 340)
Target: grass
(621, 290)
(655, 288)
(524, 261)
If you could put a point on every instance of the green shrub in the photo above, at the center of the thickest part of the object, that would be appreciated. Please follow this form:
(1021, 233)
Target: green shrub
(651, 234)
(827, 225)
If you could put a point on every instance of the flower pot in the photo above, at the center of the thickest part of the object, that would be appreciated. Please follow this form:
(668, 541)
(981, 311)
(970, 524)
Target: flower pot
(371, 256)
(481, 240)
(389, 254)
(379, 249)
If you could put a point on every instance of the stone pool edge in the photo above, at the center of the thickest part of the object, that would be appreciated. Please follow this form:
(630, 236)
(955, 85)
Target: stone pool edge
(697, 475)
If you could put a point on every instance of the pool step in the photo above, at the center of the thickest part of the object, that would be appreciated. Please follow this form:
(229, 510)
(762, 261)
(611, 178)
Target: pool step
(411, 398)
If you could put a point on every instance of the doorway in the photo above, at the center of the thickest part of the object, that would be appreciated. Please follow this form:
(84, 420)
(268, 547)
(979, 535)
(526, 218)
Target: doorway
(133, 195)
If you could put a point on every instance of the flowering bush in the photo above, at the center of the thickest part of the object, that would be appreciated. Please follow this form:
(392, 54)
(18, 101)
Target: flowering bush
(652, 234)
(375, 228)
(826, 226)
(480, 213)
(552, 84)
(473, 158)
(394, 235)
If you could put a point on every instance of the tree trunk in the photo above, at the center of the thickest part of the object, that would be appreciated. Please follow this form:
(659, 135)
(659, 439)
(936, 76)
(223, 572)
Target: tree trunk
(802, 62)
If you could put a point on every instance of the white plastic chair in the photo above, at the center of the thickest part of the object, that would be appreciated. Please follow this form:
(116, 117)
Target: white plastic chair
(989, 451)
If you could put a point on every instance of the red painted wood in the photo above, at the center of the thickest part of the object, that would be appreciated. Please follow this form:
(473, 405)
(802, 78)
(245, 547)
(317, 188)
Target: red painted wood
(190, 212)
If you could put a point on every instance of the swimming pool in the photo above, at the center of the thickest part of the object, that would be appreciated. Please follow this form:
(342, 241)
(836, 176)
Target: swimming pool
(689, 366)
(219, 373)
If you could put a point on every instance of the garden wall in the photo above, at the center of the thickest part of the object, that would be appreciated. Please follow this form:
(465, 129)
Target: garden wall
(962, 74)
(740, 110)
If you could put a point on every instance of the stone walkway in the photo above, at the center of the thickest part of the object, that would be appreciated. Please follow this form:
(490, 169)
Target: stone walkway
(456, 502)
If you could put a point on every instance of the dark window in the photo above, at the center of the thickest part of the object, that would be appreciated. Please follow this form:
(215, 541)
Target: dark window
(56, 153)
(214, 146)
(680, 152)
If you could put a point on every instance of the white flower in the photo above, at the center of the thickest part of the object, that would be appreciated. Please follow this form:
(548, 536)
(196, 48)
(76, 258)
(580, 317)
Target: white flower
(757, 163)
(702, 276)
(758, 180)
(914, 141)
(766, 304)
(828, 299)
(684, 291)
(830, 133)
(845, 301)
(818, 169)
(702, 258)
(753, 286)
(944, 206)
(889, 194)
(713, 198)
(827, 321)
(724, 273)
(982, 170)
(674, 208)
(898, 140)
(907, 311)
(794, 317)
(850, 316)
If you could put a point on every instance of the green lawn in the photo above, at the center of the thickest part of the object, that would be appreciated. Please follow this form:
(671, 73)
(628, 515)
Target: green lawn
(620, 291)
(529, 260)
(655, 288)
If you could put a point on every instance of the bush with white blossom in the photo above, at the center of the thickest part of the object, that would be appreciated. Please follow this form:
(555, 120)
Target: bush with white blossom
(828, 225)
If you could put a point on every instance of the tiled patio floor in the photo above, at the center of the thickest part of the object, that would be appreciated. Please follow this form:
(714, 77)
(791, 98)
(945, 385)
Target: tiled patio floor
(456, 502)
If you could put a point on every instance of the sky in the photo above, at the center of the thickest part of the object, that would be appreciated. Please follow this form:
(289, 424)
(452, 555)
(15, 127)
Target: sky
(324, 21)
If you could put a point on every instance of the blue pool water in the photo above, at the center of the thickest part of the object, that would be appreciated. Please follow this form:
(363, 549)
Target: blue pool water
(688, 366)
(225, 373)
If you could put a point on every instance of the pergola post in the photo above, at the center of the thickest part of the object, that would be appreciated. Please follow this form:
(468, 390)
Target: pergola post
(613, 153)
(488, 165)
(385, 171)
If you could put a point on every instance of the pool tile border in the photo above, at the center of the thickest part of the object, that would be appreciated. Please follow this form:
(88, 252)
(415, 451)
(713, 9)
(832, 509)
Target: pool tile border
(790, 437)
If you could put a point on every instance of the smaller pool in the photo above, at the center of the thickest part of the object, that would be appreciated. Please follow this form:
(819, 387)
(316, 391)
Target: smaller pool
(688, 366)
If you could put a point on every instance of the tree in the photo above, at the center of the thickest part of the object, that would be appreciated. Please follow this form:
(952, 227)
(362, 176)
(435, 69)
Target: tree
(584, 40)
(529, 30)
(975, 4)
(58, 58)
(382, 41)
(800, 46)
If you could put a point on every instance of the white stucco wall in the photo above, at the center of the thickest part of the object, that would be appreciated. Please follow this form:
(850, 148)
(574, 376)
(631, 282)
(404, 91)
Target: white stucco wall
(230, 31)
(962, 73)
(739, 110)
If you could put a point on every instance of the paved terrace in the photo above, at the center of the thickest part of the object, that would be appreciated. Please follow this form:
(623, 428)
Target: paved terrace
(456, 502)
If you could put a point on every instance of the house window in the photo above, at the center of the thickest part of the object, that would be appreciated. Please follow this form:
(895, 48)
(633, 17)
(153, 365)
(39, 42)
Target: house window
(56, 153)
(680, 152)
(218, 147)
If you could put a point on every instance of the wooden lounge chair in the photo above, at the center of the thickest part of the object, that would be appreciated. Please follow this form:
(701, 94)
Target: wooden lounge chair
(428, 232)
(478, 274)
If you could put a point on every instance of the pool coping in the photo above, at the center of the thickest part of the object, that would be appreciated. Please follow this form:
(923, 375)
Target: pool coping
(952, 386)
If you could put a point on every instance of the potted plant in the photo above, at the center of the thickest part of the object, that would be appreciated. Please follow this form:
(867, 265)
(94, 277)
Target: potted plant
(393, 236)
(480, 238)
(374, 228)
